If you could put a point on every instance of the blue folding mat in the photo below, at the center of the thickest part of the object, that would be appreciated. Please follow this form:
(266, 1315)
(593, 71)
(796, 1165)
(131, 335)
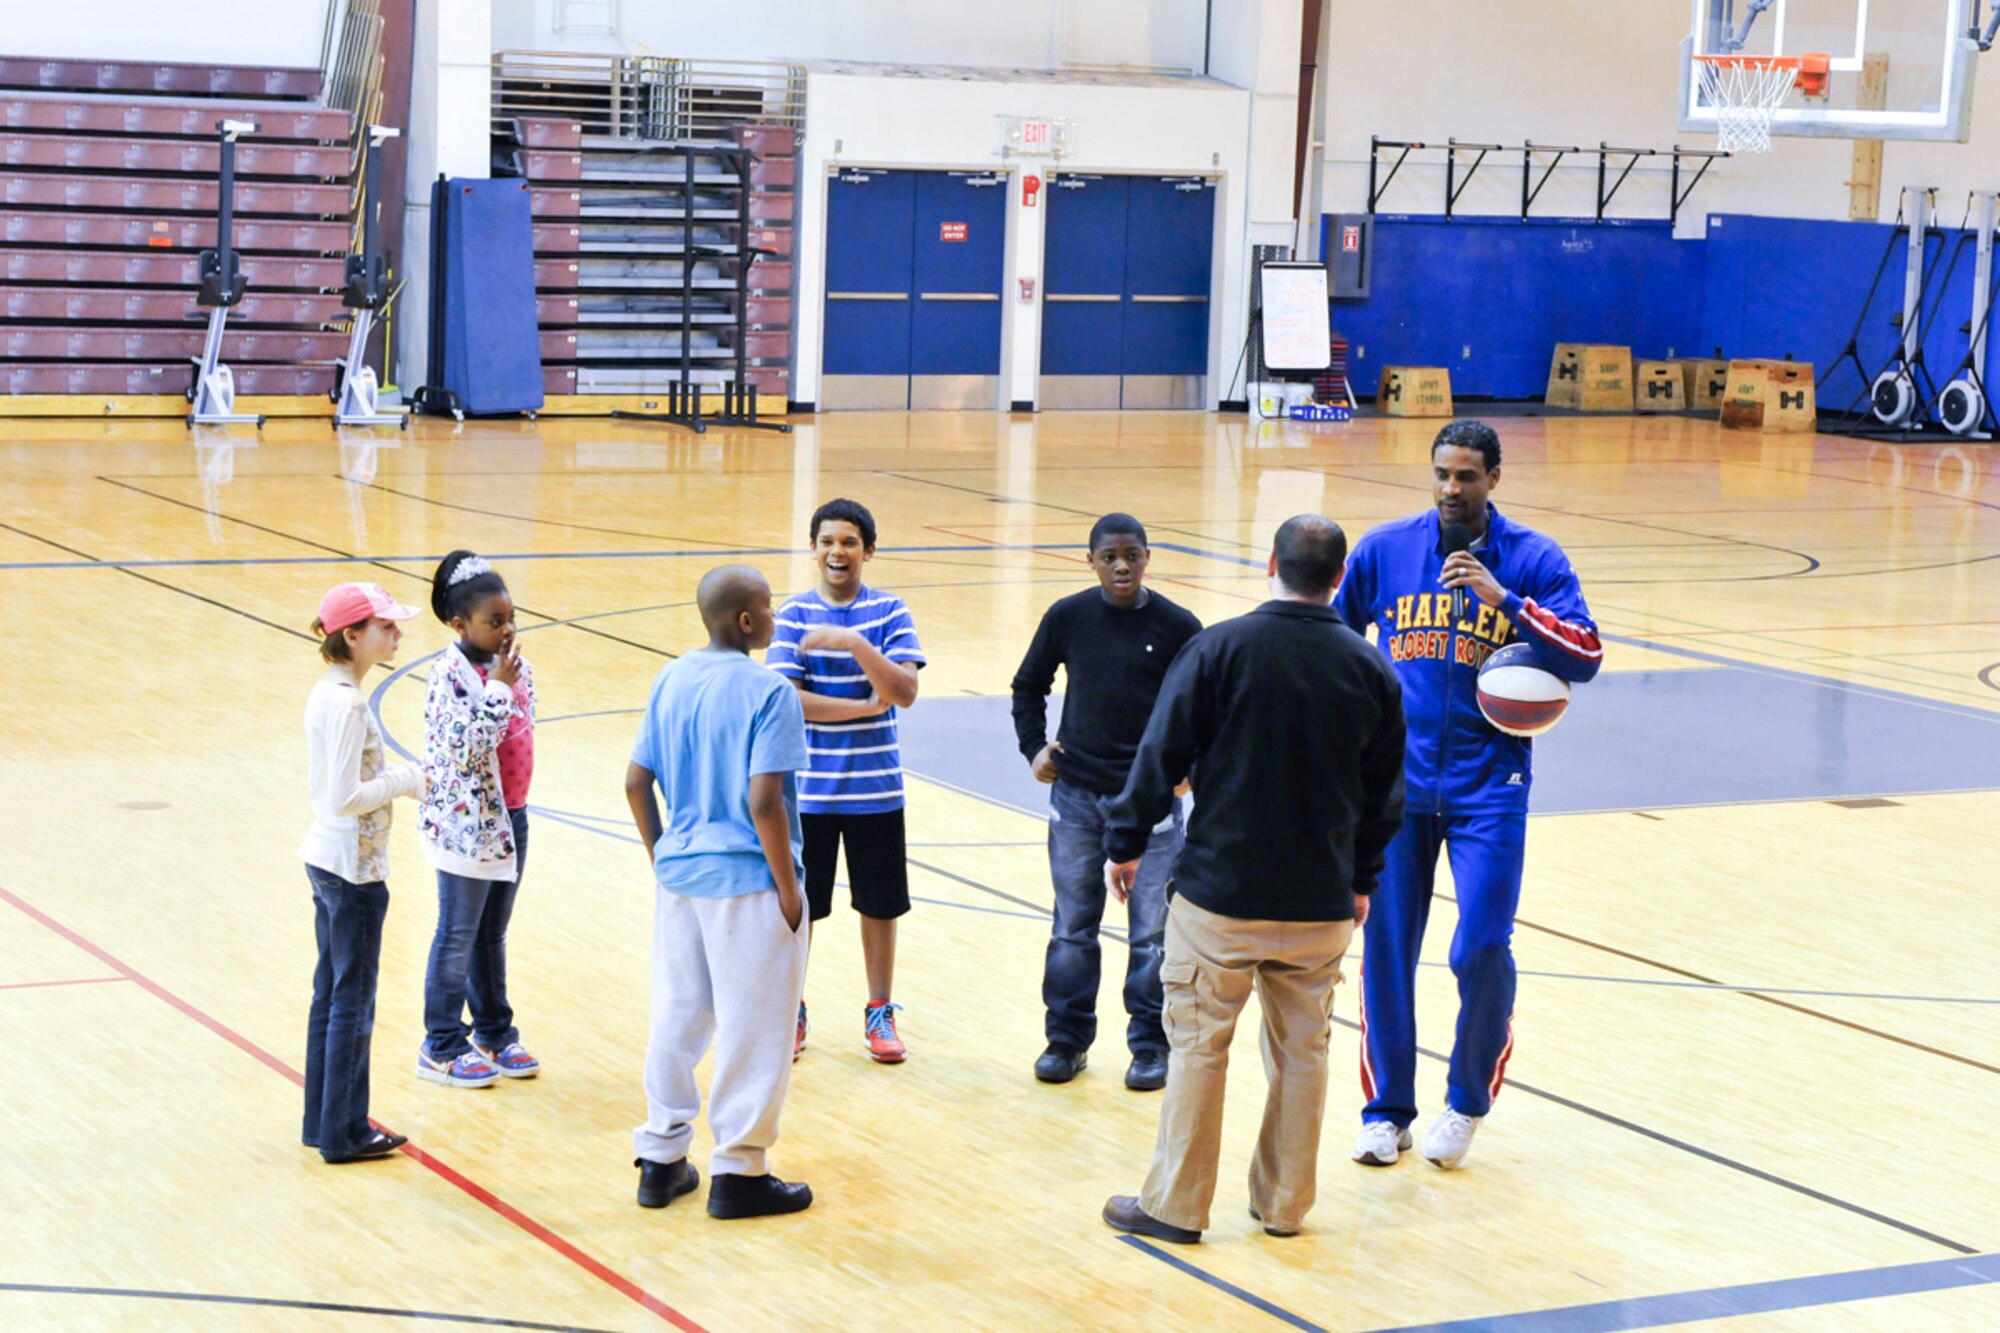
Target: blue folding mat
(485, 350)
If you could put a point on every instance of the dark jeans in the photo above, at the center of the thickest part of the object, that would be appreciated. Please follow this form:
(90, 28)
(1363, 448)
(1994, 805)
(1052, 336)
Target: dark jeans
(1070, 975)
(347, 920)
(469, 959)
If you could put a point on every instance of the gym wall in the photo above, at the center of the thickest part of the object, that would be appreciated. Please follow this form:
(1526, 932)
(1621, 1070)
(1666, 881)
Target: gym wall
(1582, 72)
(199, 32)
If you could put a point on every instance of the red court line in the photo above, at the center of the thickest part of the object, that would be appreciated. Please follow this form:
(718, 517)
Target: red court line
(596, 1268)
(73, 981)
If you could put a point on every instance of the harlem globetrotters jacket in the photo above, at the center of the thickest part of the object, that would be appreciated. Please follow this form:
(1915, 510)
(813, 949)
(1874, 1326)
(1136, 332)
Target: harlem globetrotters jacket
(1457, 763)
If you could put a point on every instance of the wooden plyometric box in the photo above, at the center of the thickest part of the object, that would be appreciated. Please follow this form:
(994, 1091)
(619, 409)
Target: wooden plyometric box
(1704, 382)
(1591, 377)
(1565, 375)
(1414, 391)
(1658, 386)
(1774, 396)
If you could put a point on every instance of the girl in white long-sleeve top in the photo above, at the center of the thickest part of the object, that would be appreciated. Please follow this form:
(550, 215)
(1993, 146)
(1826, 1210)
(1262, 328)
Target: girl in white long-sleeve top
(347, 860)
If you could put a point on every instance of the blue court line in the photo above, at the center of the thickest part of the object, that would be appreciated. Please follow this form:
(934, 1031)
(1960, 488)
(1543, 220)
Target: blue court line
(517, 555)
(1277, 1312)
(1798, 1293)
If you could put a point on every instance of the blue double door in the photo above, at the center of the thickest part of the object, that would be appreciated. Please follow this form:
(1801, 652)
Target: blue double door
(915, 263)
(1125, 318)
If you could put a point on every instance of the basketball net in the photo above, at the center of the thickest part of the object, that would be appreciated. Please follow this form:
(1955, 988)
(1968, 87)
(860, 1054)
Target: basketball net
(1747, 90)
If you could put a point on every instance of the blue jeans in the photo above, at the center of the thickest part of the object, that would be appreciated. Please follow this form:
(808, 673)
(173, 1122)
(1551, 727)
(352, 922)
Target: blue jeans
(347, 920)
(1070, 975)
(469, 959)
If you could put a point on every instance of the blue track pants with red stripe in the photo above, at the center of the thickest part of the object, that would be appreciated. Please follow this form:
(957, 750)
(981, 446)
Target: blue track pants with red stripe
(1486, 855)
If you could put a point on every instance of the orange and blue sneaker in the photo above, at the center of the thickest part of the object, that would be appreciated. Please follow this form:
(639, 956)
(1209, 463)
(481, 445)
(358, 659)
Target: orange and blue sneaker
(878, 1029)
(799, 1041)
(512, 1060)
(465, 1071)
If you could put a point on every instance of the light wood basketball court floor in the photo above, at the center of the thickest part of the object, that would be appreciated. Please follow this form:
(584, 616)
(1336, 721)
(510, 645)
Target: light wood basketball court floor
(1757, 1062)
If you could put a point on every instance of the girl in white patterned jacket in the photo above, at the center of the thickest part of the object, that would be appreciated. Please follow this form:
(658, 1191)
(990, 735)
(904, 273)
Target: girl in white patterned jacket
(479, 729)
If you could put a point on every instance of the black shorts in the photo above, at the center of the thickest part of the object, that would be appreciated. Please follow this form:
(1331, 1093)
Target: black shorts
(878, 881)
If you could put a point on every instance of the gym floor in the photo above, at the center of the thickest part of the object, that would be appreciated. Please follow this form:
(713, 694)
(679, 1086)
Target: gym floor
(1756, 1030)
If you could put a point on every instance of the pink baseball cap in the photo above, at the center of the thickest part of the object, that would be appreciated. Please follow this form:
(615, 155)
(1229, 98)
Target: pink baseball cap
(351, 603)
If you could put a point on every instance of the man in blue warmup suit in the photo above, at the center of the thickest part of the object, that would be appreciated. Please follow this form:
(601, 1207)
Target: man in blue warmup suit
(1445, 589)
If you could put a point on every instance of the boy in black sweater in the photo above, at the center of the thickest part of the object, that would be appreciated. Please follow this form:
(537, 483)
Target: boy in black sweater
(1115, 642)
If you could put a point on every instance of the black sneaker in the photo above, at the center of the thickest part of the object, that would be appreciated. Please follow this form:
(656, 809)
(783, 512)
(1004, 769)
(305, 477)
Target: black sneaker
(660, 1183)
(1061, 1063)
(1123, 1213)
(731, 1196)
(1271, 1230)
(1147, 1072)
(377, 1144)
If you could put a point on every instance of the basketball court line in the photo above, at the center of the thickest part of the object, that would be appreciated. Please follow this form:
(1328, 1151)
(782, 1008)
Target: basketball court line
(1796, 1293)
(92, 562)
(335, 550)
(1249, 1298)
(279, 1303)
(479, 1193)
(526, 518)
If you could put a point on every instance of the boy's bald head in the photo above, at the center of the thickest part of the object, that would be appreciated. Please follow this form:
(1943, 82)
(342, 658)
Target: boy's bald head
(725, 596)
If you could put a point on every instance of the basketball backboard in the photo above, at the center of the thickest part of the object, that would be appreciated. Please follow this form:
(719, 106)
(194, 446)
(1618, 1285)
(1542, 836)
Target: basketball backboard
(1924, 92)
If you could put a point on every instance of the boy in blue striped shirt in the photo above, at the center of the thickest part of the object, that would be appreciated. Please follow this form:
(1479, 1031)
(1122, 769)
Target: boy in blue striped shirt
(852, 651)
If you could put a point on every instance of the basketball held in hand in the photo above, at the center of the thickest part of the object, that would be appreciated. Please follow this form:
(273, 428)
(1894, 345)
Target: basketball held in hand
(1517, 696)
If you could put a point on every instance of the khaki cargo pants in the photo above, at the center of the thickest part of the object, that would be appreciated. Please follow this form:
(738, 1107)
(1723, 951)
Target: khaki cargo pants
(1212, 964)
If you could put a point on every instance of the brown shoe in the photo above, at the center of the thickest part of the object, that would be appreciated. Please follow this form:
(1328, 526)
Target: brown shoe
(1123, 1213)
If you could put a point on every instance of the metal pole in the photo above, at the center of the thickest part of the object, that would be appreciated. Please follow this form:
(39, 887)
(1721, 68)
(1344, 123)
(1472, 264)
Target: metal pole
(1374, 156)
(1982, 281)
(1913, 274)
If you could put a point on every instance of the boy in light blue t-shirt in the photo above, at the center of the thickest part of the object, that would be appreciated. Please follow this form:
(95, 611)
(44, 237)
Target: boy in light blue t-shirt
(722, 741)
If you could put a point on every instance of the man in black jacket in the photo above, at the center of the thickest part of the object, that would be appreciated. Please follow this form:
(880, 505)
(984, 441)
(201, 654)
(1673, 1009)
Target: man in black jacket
(1291, 728)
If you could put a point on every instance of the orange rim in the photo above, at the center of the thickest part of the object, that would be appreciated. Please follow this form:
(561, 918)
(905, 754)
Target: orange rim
(1810, 71)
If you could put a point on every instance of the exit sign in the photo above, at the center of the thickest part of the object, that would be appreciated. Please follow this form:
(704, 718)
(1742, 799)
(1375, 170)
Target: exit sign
(951, 231)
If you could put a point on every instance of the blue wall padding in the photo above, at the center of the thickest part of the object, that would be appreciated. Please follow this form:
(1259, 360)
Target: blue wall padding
(1756, 287)
(1510, 291)
(1794, 286)
(486, 347)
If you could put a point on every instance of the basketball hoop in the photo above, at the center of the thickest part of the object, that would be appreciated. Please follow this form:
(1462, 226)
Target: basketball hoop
(1747, 90)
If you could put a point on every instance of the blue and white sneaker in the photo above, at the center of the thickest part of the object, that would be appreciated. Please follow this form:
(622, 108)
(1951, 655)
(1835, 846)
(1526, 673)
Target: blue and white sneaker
(512, 1060)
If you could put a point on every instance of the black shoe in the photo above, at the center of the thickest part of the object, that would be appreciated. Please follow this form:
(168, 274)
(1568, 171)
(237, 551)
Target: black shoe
(1122, 1213)
(660, 1183)
(1147, 1072)
(377, 1144)
(1270, 1231)
(755, 1196)
(1061, 1063)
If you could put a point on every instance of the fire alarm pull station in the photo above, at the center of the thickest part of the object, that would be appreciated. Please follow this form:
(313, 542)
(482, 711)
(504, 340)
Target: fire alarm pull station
(1031, 189)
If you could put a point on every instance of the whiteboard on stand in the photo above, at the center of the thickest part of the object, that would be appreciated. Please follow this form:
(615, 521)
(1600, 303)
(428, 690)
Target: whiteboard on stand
(1297, 331)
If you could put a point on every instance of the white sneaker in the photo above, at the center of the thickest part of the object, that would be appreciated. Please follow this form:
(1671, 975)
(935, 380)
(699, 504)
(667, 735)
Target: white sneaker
(1381, 1143)
(1449, 1138)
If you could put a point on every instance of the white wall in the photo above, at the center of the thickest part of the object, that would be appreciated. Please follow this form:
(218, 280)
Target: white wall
(1031, 33)
(202, 32)
(1580, 72)
(1194, 128)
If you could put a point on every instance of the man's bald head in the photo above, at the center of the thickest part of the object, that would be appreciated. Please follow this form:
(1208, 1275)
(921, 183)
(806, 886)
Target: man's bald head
(726, 594)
